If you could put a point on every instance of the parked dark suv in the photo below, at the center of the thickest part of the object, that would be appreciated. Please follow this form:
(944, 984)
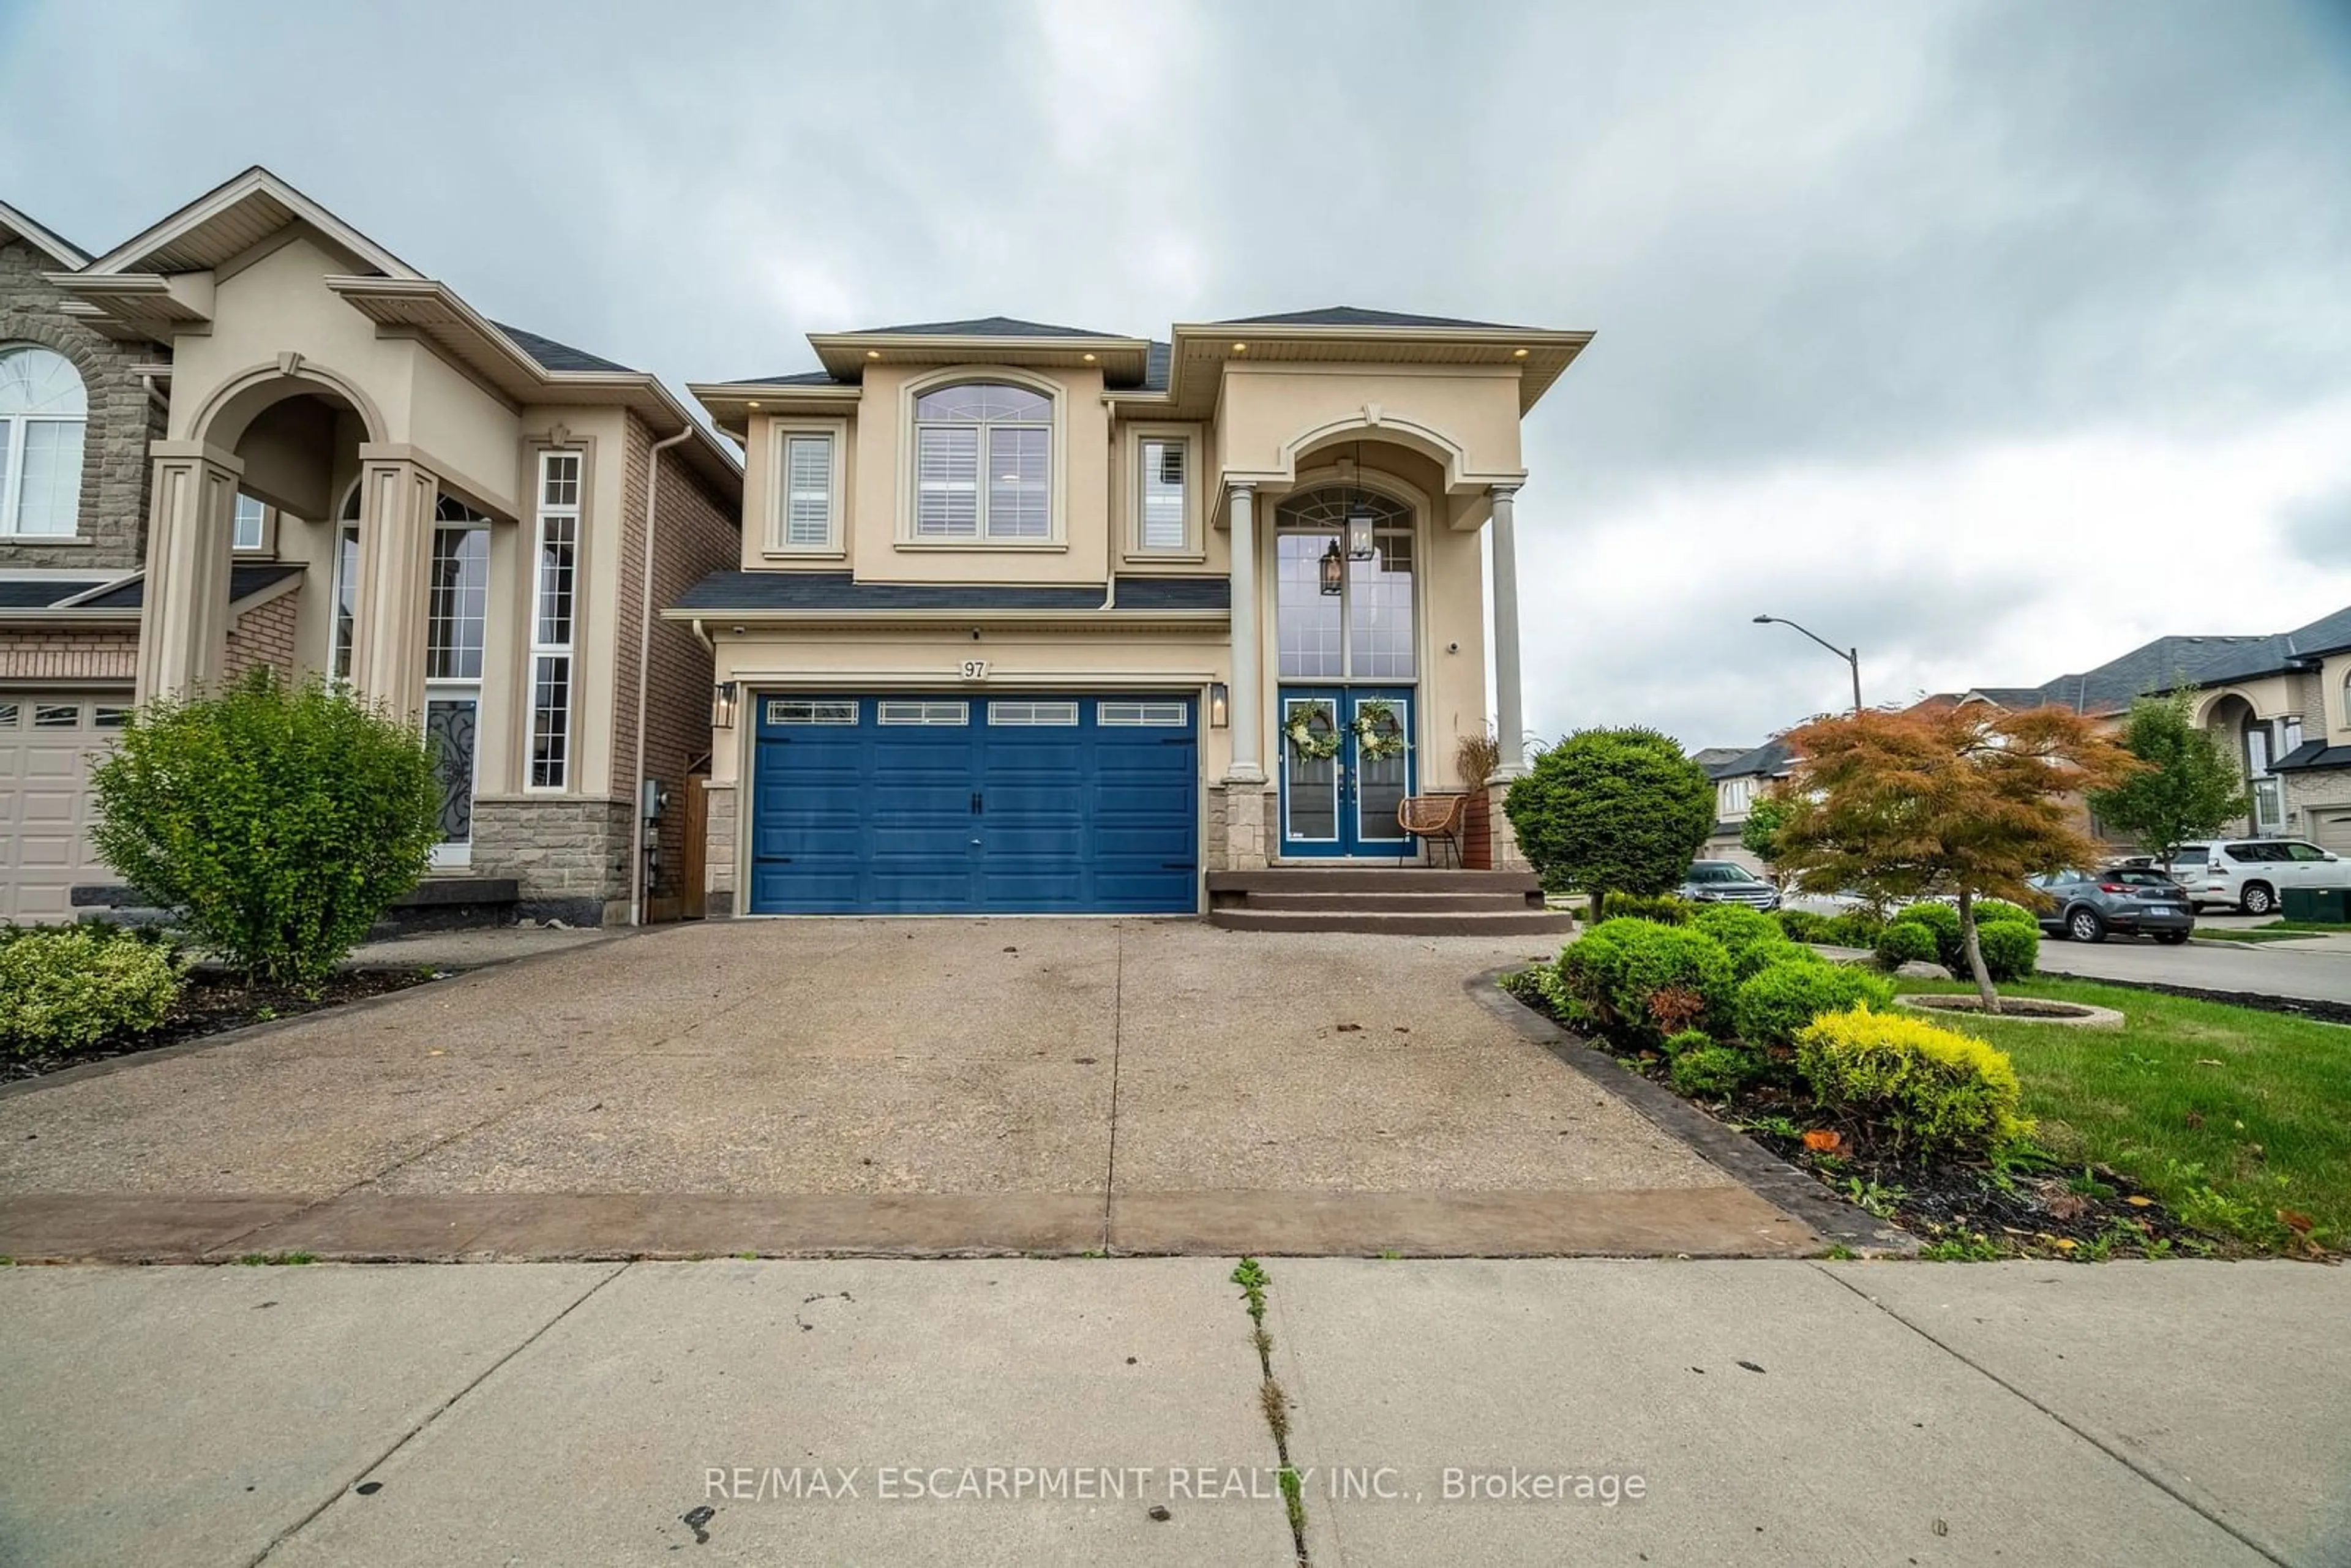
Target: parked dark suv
(1728, 881)
(2133, 899)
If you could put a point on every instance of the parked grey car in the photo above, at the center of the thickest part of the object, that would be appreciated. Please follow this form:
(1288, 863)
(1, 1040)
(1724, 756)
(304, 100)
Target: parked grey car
(2133, 899)
(1728, 881)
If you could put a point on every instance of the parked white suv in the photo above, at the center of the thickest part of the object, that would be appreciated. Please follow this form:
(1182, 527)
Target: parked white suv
(2250, 874)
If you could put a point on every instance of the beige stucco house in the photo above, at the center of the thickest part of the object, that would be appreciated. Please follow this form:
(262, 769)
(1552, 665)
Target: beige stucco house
(289, 447)
(1028, 617)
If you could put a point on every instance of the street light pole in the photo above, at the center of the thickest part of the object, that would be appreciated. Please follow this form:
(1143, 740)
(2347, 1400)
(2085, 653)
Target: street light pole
(1852, 656)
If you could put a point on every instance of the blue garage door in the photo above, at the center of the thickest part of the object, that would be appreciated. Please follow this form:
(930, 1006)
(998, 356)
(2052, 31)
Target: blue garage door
(924, 805)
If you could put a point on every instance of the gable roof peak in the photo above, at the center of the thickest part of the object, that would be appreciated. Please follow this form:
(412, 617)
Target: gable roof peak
(48, 241)
(231, 218)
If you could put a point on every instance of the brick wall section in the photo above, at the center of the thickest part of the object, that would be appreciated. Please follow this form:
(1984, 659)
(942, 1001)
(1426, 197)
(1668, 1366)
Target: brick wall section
(121, 420)
(263, 635)
(69, 655)
(695, 535)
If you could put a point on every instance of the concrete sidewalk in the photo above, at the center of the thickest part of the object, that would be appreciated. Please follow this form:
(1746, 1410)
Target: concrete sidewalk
(1773, 1412)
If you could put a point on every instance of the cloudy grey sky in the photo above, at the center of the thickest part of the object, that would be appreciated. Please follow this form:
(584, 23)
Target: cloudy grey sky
(1997, 338)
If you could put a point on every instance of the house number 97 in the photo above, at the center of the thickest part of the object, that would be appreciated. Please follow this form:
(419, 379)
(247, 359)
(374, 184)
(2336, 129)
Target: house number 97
(974, 669)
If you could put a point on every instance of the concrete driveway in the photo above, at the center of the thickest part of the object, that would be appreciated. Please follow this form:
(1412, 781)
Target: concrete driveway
(2319, 971)
(1047, 1086)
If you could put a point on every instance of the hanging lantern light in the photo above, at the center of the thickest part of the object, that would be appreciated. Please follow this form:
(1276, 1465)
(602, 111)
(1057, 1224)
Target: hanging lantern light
(1360, 520)
(1334, 570)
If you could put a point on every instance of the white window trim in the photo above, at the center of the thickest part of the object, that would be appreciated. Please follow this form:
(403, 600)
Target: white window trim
(1056, 457)
(542, 515)
(268, 521)
(1194, 549)
(780, 487)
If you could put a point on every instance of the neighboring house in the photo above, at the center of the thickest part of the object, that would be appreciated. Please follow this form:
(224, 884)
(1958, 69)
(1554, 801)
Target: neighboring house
(1023, 612)
(2280, 701)
(298, 450)
(1741, 776)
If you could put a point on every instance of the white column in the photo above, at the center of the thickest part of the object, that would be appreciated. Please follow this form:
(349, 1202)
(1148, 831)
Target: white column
(183, 617)
(396, 564)
(1248, 767)
(1510, 719)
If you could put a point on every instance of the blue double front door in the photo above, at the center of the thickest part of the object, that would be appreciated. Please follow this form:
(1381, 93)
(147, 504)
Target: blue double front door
(1346, 764)
(921, 804)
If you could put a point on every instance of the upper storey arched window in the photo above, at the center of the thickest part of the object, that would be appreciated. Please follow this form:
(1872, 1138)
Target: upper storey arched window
(43, 412)
(983, 463)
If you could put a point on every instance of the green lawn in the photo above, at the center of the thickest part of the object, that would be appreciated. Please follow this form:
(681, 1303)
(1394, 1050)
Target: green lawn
(2226, 1114)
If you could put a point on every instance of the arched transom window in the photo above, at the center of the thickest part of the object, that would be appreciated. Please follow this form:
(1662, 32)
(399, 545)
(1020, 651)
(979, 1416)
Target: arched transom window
(983, 463)
(43, 413)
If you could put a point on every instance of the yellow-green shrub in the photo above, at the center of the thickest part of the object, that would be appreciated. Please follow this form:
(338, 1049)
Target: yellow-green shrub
(68, 987)
(1933, 1088)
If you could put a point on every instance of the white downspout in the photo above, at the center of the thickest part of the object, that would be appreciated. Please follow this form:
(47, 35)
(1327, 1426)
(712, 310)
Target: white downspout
(645, 679)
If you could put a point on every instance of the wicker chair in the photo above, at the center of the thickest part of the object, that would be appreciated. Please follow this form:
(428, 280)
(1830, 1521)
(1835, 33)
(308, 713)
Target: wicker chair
(1433, 818)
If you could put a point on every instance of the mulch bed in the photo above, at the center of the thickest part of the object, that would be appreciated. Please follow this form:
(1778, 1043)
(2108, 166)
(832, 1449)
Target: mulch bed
(2035, 1207)
(212, 1002)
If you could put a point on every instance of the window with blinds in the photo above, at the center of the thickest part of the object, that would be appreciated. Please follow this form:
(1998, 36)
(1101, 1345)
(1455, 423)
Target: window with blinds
(1164, 524)
(807, 517)
(982, 463)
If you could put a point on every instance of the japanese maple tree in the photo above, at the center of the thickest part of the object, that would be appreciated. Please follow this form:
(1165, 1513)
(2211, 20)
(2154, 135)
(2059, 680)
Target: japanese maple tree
(1966, 801)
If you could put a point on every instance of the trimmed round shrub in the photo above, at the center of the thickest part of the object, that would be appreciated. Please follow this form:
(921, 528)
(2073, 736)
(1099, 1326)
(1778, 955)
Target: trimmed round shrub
(1736, 926)
(274, 824)
(2010, 951)
(1775, 1002)
(1932, 1088)
(1939, 918)
(1671, 978)
(1611, 808)
(66, 988)
(1713, 1069)
(1906, 942)
(1800, 925)
(1590, 967)
(1854, 928)
(1761, 956)
(1664, 909)
(1690, 1040)
(1999, 911)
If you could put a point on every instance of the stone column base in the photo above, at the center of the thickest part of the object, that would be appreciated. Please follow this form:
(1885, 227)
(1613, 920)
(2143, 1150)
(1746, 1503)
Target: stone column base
(719, 851)
(1504, 836)
(1239, 834)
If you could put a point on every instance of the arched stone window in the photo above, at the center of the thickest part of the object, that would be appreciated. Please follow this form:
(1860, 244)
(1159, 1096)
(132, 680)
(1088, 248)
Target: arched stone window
(44, 411)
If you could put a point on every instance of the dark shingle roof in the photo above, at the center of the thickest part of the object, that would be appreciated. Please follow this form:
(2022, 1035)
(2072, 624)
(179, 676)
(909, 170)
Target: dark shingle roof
(983, 327)
(554, 356)
(725, 591)
(797, 379)
(1711, 757)
(244, 579)
(2312, 754)
(1355, 316)
(40, 592)
(1767, 760)
(2016, 699)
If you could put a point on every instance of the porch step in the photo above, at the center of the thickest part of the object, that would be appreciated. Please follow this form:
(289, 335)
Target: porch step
(1403, 922)
(1373, 878)
(1403, 900)
(1393, 903)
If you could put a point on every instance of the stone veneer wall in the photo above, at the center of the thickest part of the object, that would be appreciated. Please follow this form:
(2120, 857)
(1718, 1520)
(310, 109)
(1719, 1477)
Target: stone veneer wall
(112, 532)
(570, 856)
(718, 900)
(1243, 825)
(29, 655)
(263, 635)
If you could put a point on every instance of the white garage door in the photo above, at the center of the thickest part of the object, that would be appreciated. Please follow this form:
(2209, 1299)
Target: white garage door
(46, 743)
(2331, 830)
